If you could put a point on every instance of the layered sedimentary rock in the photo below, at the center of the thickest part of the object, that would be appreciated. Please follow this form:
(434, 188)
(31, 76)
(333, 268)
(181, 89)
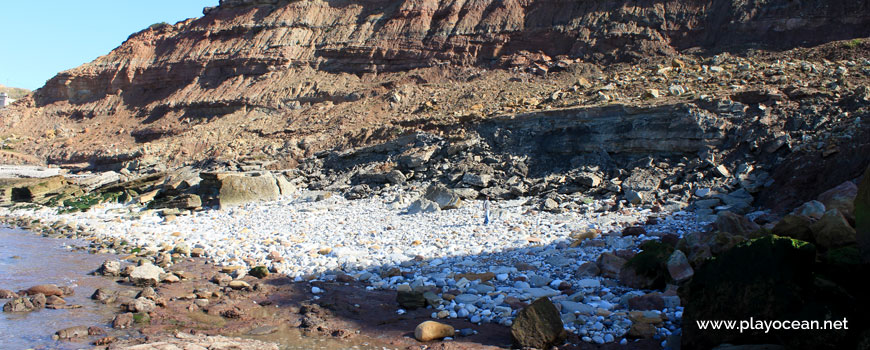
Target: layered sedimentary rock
(277, 69)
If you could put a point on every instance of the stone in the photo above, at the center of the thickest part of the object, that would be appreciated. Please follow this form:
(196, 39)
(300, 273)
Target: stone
(7, 294)
(589, 180)
(445, 197)
(259, 272)
(146, 275)
(841, 198)
(769, 278)
(633, 197)
(410, 300)
(735, 224)
(739, 201)
(38, 300)
(794, 226)
(197, 252)
(141, 305)
(862, 217)
(679, 267)
(45, 289)
(812, 209)
(237, 284)
(651, 301)
(233, 189)
(186, 201)
(416, 157)
(54, 300)
(647, 269)
(610, 265)
(640, 330)
(103, 295)
(538, 325)
(833, 230)
(431, 330)
(549, 204)
(20, 304)
(110, 268)
(423, 205)
(71, 333)
(588, 269)
(123, 321)
(478, 180)
(576, 308)
(634, 231)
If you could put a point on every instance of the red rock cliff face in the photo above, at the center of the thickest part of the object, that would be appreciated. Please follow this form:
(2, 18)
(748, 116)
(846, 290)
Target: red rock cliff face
(270, 56)
(237, 40)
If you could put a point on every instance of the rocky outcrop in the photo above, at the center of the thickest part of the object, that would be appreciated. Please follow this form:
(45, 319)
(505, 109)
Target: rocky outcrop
(264, 69)
(231, 189)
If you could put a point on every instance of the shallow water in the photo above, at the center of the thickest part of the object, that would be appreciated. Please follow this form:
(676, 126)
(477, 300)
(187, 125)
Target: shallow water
(28, 259)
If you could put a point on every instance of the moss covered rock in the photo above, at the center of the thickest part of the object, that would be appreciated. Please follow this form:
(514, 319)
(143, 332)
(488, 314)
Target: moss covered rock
(649, 268)
(770, 278)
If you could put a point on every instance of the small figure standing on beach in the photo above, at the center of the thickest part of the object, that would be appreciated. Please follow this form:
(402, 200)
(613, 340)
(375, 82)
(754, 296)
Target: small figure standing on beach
(486, 205)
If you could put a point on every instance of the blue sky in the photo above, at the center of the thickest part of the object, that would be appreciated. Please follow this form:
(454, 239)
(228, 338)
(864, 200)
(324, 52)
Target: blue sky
(40, 38)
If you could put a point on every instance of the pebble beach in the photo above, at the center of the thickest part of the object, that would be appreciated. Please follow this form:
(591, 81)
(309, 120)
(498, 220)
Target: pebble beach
(480, 270)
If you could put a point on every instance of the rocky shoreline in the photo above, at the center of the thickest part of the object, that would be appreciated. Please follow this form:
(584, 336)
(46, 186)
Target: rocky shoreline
(332, 265)
(466, 278)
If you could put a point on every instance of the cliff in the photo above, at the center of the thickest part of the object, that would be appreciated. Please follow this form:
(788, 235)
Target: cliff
(254, 76)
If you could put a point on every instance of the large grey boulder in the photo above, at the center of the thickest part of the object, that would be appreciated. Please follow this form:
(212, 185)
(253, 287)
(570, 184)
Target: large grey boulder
(445, 197)
(232, 189)
(423, 205)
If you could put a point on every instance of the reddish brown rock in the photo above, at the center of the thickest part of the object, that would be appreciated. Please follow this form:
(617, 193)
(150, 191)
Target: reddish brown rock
(45, 289)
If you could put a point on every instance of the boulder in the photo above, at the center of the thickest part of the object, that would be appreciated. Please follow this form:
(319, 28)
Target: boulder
(7, 294)
(478, 180)
(146, 275)
(140, 305)
(651, 301)
(431, 330)
(232, 189)
(416, 157)
(21, 304)
(648, 269)
(110, 268)
(259, 272)
(44, 289)
(588, 269)
(423, 205)
(794, 226)
(538, 325)
(445, 197)
(679, 267)
(185, 201)
(71, 333)
(610, 265)
(812, 209)
(38, 300)
(103, 295)
(842, 198)
(862, 217)
(769, 278)
(123, 321)
(833, 231)
(735, 224)
(411, 300)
